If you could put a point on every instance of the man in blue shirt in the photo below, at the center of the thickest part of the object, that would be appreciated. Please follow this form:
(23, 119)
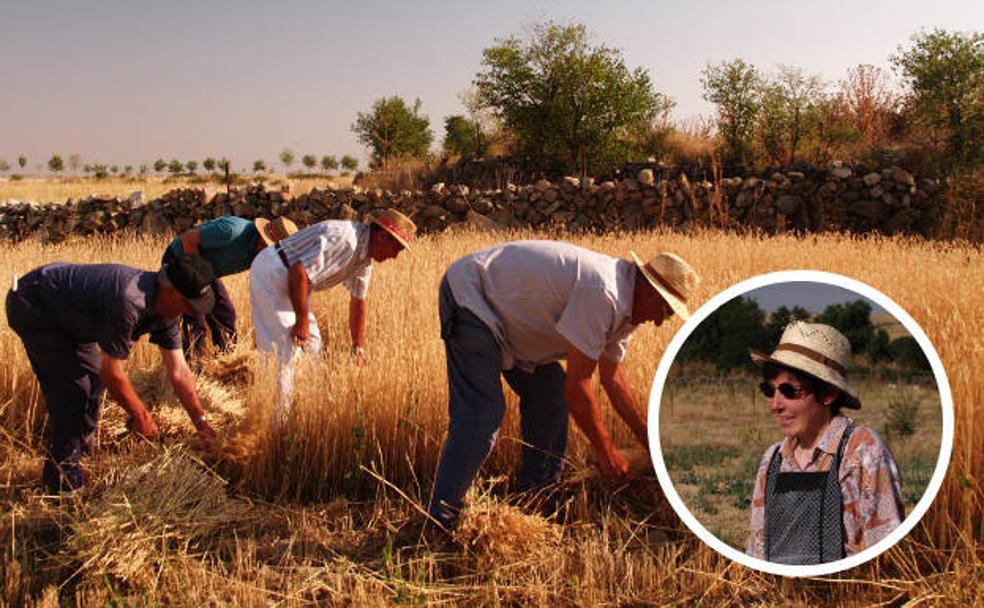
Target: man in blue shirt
(229, 243)
(78, 323)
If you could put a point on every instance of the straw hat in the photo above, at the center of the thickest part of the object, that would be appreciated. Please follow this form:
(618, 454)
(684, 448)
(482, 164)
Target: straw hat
(271, 232)
(398, 225)
(816, 349)
(672, 277)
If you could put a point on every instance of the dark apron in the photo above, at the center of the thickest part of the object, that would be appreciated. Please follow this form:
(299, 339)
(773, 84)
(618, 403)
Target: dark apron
(804, 521)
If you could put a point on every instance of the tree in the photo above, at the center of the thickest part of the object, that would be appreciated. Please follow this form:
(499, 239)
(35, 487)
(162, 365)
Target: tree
(944, 72)
(159, 165)
(224, 165)
(192, 166)
(459, 136)
(350, 163)
(209, 164)
(852, 319)
(56, 164)
(789, 108)
(128, 170)
(392, 130)
(287, 158)
(99, 171)
(114, 169)
(174, 167)
(74, 161)
(4, 165)
(735, 88)
(906, 352)
(143, 169)
(868, 101)
(726, 334)
(310, 161)
(565, 99)
(259, 166)
(22, 161)
(329, 162)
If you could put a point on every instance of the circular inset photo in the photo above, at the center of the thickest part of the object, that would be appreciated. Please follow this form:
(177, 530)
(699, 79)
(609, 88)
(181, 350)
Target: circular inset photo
(801, 423)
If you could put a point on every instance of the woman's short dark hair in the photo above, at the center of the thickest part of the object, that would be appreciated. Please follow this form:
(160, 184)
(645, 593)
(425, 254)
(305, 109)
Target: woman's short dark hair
(814, 385)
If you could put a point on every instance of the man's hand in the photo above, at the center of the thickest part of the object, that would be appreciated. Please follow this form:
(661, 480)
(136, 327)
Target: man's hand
(359, 356)
(301, 332)
(206, 434)
(142, 424)
(614, 465)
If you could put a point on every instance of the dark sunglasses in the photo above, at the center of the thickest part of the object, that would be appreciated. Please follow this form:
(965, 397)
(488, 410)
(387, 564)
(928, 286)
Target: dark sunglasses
(787, 390)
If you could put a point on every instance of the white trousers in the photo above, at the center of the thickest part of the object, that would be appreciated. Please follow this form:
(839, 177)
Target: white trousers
(273, 318)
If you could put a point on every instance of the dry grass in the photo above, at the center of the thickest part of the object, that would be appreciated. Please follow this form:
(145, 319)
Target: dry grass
(322, 528)
(60, 189)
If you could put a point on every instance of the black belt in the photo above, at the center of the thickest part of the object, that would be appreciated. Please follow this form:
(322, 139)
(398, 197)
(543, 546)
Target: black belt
(283, 256)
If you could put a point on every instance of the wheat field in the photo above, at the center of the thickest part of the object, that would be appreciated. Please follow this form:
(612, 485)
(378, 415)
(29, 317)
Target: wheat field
(328, 513)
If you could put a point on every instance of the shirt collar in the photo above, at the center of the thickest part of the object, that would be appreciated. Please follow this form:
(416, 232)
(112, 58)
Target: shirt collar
(827, 444)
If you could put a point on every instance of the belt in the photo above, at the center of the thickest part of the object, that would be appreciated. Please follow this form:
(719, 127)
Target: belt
(283, 256)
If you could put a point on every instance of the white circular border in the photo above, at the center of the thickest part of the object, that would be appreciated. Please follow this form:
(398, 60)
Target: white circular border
(946, 401)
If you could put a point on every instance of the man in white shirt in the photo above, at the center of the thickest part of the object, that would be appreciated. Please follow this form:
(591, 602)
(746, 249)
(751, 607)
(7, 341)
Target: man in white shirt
(320, 256)
(517, 309)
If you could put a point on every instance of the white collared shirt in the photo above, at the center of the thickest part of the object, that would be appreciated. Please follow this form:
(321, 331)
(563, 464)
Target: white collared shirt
(540, 298)
(332, 252)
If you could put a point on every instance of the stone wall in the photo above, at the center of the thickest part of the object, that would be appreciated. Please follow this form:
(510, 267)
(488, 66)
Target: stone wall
(890, 201)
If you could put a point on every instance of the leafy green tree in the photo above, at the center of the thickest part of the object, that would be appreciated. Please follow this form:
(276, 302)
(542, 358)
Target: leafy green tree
(160, 165)
(209, 164)
(564, 98)
(114, 169)
(99, 171)
(906, 352)
(460, 136)
(877, 348)
(175, 167)
(56, 164)
(944, 72)
(4, 165)
(735, 88)
(393, 130)
(22, 161)
(726, 335)
(852, 319)
(192, 166)
(287, 158)
(74, 161)
(310, 161)
(329, 162)
(790, 104)
(350, 163)
(259, 166)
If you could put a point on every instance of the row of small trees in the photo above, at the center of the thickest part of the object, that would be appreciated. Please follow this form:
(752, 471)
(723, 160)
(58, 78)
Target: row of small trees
(176, 167)
(556, 96)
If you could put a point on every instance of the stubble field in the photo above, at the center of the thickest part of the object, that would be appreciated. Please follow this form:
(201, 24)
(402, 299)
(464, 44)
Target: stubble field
(328, 512)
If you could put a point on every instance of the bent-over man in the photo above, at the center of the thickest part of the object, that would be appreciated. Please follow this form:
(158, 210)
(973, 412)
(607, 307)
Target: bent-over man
(318, 257)
(230, 244)
(78, 323)
(516, 310)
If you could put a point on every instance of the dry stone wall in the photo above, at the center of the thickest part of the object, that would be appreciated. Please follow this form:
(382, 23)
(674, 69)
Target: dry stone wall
(890, 201)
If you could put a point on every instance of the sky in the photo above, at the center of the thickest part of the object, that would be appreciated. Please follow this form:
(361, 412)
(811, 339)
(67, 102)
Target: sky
(814, 297)
(126, 82)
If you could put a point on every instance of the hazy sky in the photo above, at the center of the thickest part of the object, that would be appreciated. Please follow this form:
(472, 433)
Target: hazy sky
(127, 81)
(806, 294)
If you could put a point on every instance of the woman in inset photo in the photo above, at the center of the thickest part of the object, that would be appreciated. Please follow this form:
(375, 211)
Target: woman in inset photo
(830, 487)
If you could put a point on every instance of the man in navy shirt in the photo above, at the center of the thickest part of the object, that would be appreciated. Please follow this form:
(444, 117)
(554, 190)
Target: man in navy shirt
(78, 323)
(229, 244)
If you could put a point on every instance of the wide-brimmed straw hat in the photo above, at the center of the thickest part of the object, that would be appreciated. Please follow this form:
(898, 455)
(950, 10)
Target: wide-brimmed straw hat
(398, 225)
(273, 231)
(816, 349)
(672, 277)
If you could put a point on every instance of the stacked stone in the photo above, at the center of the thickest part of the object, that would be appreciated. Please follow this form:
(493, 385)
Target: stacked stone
(890, 201)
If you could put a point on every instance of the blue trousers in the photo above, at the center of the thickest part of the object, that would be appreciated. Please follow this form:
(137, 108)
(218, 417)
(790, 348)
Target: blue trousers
(476, 407)
(68, 373)
(221, 322)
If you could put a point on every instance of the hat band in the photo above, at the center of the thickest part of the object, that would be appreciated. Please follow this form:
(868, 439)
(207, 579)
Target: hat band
(809, 353)
(664, 284)
(388, 224)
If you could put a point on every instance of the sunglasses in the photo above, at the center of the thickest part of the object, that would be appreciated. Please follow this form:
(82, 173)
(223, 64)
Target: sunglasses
(787, 390)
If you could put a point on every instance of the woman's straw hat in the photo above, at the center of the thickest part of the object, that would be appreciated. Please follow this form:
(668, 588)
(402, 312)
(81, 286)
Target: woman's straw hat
(672, 277)
(816, 349)
(273, 231)
(398, 225)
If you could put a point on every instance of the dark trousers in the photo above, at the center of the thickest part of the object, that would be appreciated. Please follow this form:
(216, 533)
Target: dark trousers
(221, 322)
(69, 376)
(477, 405)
